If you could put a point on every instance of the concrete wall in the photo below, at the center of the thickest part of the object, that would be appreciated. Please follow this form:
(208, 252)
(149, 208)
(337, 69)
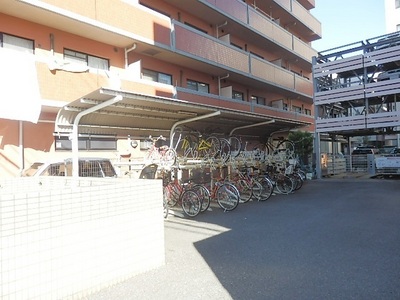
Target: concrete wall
(62, 238)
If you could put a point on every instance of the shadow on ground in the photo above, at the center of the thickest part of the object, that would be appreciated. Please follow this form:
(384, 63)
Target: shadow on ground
(333, 239)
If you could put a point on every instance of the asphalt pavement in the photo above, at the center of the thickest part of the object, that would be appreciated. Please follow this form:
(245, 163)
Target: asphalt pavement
(332, 239)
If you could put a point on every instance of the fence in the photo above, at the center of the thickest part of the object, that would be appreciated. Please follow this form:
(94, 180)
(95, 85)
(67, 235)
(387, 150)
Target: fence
(377, 164)
(64, 238)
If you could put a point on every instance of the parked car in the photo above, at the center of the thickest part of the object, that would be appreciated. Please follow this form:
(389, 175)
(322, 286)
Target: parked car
(365, 150)
(388, 41)
(395, 151)
(388, 75)
(88, 167)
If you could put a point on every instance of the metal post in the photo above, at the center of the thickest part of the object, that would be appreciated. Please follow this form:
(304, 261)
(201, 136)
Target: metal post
(74, 137)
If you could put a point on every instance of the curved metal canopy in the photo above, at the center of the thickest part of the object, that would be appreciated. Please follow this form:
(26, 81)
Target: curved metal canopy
(139, 115)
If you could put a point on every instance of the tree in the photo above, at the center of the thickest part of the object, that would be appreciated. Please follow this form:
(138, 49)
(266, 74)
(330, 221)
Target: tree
(303, 145)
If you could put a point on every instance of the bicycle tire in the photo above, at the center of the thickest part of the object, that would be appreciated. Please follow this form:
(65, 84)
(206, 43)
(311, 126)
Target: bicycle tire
(191, 205)
(168, 159)
(215, 146)
(259, 152)
(165, 209)
(171, 194)
(225, 150)
(256, 190)
(298, 181)
(284, 184)
(227, 196)
(268, 188)
(287, 147)
(245, 190)
(204, 195)
(236, 146)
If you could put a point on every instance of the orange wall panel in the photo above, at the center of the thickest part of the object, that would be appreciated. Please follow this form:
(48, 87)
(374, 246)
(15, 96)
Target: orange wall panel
(121, 15)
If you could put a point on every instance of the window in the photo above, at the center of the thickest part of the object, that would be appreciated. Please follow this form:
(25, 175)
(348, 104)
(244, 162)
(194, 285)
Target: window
(157, 76)
(296, 109)
(258, 100)
(307, 111)
(86, 59)
(397, 4)
(87, 143)
(198, 86)
(237, 95)
(195, 27)
(285, 106)
(16, 43)
(398, 27)
(237, 46)
(257, 55)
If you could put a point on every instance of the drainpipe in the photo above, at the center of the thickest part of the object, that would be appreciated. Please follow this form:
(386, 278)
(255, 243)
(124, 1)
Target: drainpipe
(127, 50)
(219, 82)
(219, 26)
(74, 137)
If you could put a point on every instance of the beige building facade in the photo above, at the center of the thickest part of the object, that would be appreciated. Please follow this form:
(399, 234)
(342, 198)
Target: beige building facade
(251, 58)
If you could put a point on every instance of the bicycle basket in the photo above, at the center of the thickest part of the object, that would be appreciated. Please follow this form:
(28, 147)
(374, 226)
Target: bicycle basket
(160, 143)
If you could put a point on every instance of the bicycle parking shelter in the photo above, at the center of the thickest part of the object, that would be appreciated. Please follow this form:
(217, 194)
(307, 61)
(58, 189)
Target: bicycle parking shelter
(116, 113)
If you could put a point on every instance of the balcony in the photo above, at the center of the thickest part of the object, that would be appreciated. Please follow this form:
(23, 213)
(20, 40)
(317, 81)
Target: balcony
(95, 20)
(290, 13)
(223, 102)
(219, 57)
(252, 23)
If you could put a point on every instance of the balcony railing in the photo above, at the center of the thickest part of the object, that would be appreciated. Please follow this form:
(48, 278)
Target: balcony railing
(211, 49)
(191, 42)
(224, 102)
(263, 24)
(305, 17)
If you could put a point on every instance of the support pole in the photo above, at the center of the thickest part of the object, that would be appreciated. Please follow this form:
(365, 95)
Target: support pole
(21, 147)
(251, 125)
(74, 137)
(216, 113)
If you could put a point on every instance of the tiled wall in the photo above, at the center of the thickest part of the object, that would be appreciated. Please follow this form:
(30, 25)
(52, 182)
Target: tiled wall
(61, 238)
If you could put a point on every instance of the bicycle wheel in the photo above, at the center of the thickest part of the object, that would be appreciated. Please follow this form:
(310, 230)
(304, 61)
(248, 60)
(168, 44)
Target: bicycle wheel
(259, 152)
(245, 190)
(236, 146)
(225, 150)
(256, 190)
(168, 158)
(190, 203)
(268, 188)
(171, 194)
(204, 195)
(284, 184)
(227, 196)
(297, 180)
(166, 209)
(214, 148)
(286, 148)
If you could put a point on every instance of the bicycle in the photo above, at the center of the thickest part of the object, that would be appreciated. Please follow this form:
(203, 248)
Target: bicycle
(161, 153)
(247, 185)
(283, 183)
(175, 192)
(224, 193)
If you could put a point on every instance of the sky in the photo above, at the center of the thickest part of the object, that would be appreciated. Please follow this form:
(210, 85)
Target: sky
(348, 21)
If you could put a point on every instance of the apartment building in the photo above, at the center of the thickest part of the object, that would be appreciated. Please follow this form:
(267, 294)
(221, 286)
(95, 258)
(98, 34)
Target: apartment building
(392, 15)
(99, 73)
